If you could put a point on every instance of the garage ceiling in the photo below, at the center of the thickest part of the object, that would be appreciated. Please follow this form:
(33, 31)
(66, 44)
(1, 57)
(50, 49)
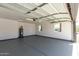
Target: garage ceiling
(38, 11)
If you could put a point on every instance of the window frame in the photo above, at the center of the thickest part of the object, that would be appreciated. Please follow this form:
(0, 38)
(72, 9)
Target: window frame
(40, 26)
(59, 30)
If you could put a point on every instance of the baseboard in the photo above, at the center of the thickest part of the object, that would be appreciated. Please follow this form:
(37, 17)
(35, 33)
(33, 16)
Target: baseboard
(15, 38)
(41, 36)
(8, 39)
(29, 35)
(56, 38)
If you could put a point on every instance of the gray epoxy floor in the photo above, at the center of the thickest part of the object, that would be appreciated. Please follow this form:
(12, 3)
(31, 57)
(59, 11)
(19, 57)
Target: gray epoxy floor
(35, 46)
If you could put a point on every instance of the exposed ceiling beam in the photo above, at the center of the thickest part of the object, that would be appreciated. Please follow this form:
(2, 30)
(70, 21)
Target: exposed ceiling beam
(60, 21)
(36, 8)
(8, 7)
(17, 9)
(53, 8)
(42, 4)
(59, 18)
(49, 18)
(27, 21)
(52, 15)
(69, 10)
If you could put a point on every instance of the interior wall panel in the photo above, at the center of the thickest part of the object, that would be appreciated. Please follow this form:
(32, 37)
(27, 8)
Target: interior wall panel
(47, 30)
(10, 29)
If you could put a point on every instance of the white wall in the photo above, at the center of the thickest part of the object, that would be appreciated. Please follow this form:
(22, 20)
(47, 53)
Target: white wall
(29, 28)
(9, 28)
(47, 30)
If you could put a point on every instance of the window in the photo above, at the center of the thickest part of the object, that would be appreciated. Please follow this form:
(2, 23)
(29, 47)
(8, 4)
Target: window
(39, 28)
(57, 27)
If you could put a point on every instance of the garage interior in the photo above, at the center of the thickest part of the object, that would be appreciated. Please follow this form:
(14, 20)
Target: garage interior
(48, 29)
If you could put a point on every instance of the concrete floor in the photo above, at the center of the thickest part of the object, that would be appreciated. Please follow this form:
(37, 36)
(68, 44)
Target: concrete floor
(35, 46)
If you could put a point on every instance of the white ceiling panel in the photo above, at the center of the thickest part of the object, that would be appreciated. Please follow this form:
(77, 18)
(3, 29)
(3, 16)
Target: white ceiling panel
(19, 10)
(35, 15)
(37, 4)
(19, 7)
(60, 7)
(28, 5)
(42, 19)
(59, 20)
(42, 12)
(49, 9)
(64, 19)
(51, 17)
(62, 15)
(12, 7)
